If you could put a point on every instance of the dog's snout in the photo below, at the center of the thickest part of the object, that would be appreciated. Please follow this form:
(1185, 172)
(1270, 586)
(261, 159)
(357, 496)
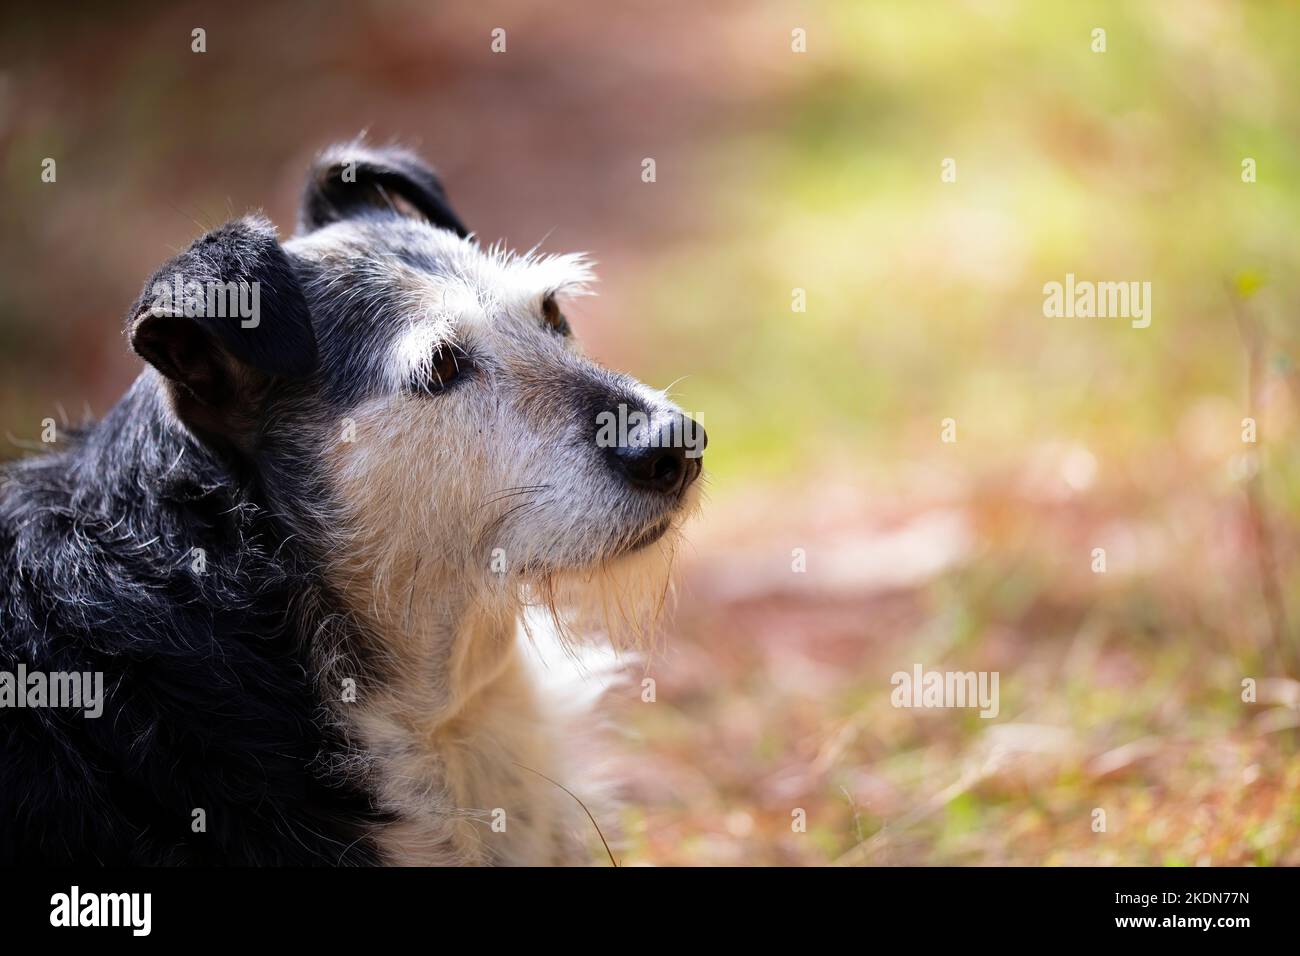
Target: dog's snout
(663, 456)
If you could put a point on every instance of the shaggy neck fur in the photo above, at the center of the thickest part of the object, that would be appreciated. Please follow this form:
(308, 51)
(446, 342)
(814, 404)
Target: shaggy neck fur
(460, 739)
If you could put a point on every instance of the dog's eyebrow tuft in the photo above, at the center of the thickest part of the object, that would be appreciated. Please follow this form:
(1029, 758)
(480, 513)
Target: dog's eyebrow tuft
(417, 345)
(567, 275)
(532, 277)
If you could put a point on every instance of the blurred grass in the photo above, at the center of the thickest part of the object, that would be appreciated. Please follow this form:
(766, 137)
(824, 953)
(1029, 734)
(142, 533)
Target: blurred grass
(924, 298)
(925, 302)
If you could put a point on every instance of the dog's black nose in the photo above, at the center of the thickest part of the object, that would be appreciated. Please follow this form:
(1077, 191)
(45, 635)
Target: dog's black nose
(665, 459)
(655, 469)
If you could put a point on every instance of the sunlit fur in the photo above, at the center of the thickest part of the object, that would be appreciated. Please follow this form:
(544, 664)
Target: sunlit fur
(461, 510)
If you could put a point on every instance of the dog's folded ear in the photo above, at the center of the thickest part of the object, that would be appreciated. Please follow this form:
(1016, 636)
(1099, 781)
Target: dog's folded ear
(224, 317)
(350, 179)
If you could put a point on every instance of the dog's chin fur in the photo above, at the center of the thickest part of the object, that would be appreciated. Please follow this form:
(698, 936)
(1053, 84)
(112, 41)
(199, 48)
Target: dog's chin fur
(620, 600)
(487, 710)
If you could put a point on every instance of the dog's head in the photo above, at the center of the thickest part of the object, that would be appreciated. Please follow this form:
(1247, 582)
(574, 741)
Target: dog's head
(422, 397)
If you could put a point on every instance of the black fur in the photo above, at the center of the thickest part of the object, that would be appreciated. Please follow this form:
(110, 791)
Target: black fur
(350, 177)
(215, 683)
(210, 698)
(242, 252)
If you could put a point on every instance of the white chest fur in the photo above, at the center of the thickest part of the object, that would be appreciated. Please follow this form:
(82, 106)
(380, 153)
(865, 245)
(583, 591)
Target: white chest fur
(469, 745)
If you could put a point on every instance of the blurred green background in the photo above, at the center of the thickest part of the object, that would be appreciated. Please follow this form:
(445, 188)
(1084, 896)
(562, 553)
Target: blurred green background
(817, 171)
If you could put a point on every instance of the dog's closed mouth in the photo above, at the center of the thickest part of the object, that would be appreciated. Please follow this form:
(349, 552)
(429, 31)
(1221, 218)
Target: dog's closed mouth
(648, 537)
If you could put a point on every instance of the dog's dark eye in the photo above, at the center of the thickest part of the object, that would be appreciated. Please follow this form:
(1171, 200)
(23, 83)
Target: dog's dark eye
(447, 363)
(555, 320)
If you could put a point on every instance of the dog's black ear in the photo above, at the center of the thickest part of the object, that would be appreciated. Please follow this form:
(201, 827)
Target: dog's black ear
(352, 178)
(222, 319)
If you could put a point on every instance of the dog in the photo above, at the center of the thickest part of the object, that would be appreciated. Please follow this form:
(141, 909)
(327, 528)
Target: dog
(313, 547)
